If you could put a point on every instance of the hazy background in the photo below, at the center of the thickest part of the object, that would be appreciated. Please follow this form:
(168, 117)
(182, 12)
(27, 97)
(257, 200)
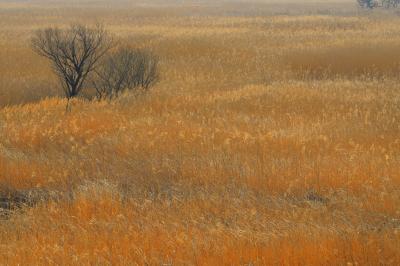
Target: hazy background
(205, 7)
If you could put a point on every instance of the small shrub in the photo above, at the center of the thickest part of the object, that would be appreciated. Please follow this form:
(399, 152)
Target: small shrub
(126, 69)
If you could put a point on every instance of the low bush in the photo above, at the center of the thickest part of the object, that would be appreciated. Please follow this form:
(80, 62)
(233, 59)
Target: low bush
(125, 69)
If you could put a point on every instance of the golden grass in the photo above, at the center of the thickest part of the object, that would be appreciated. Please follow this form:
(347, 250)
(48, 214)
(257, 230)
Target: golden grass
(237, 157)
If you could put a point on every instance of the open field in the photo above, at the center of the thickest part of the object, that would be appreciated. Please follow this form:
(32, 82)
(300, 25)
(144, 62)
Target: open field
(272, 138)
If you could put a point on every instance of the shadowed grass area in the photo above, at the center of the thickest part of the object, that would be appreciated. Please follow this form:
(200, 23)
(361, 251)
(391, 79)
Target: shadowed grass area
(376, 60)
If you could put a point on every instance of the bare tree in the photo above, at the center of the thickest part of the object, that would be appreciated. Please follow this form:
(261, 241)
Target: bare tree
(378, 3)
(145, 69)
(126, 69)
(74, 53)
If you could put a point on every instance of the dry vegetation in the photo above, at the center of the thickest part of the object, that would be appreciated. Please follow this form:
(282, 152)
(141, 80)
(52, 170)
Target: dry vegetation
(270, 140)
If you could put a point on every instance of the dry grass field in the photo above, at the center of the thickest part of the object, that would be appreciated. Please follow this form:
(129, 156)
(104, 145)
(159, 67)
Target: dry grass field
(272, 138)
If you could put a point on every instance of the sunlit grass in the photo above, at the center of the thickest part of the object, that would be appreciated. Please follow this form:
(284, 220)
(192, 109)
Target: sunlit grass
(268, 141)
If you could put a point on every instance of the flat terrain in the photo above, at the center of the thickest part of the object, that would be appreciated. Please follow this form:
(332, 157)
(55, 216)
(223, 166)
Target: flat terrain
(272, 138)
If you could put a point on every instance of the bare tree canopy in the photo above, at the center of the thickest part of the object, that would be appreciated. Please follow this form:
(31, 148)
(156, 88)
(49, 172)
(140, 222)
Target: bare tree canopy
(74, 53)
(378, 3)
(126, 69)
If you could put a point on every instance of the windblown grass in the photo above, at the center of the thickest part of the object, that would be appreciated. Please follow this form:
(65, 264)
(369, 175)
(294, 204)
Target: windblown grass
(236, 157)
